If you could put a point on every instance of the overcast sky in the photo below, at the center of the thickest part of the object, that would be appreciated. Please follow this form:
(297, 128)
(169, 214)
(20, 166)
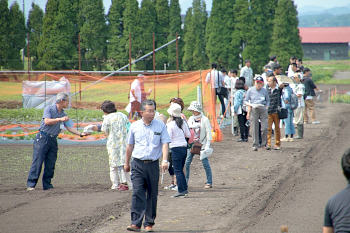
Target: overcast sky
(185, 4)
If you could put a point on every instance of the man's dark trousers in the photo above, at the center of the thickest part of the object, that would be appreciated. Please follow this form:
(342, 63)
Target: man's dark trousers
(44, 151)
(145, 178)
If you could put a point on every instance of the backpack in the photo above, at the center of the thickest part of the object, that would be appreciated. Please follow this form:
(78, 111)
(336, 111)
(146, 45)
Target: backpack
(294, 102)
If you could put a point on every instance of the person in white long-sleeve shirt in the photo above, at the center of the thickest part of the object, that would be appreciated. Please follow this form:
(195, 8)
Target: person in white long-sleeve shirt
(178, 132)
(247, 73)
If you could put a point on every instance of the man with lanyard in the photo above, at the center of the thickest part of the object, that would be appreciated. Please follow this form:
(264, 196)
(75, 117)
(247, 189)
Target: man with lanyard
(45, 143)
(247, 73)
(309, 94)
(216, 79)
(257, 101)
(147, 140)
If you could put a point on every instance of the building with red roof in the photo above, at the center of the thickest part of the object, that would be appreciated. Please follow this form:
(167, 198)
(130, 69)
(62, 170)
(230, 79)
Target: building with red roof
(325, 43)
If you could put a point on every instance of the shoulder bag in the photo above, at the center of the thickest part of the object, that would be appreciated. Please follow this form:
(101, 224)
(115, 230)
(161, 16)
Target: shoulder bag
(221, 90)
(282, 112)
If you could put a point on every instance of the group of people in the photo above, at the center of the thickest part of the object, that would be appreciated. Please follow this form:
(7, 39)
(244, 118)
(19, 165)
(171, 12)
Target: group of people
(261, 105)
(134, 150)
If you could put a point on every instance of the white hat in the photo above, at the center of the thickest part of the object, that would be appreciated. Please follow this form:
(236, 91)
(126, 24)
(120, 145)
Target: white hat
(174, 110)
(195, 106)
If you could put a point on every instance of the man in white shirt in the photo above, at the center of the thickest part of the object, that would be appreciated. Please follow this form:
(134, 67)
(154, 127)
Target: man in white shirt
(216, 79)
(247, 73)
(136, 95)
(292, 70)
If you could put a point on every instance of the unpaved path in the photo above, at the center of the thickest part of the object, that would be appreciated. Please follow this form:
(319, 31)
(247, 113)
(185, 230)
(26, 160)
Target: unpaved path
(252, 191)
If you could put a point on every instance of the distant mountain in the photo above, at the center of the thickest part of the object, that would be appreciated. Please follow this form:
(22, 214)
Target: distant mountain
(315, 10)
(324, 20)
(310, 10)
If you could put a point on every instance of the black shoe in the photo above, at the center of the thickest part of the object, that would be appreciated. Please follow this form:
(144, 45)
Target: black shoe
(246, 140)
(241, 140)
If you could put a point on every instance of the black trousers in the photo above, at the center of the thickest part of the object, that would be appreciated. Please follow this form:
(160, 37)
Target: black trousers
(223, 109)
(145, 178)
(243, 129)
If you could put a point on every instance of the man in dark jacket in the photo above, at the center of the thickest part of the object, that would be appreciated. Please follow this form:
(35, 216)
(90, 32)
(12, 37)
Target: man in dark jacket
(309, 95)
(275, 102)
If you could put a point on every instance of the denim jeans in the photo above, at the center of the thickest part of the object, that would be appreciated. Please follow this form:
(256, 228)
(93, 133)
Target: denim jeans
(178, 156)
(44, 151)
(206, 166)
(289, 128)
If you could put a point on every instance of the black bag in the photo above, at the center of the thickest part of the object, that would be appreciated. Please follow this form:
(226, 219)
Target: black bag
(221, 90)
(282, 113)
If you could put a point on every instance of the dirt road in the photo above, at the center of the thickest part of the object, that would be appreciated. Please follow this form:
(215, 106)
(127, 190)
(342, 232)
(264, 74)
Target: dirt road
(252, 191)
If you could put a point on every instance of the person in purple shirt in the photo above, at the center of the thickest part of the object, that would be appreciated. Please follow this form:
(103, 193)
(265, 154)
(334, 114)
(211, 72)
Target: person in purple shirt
(45, 142)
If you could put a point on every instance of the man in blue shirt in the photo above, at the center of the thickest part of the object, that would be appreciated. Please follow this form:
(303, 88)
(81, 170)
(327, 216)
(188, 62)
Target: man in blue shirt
(337, 212)
(147, 140)
(45, 143)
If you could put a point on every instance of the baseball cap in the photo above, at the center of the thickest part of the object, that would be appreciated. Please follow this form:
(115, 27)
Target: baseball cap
(259, 79)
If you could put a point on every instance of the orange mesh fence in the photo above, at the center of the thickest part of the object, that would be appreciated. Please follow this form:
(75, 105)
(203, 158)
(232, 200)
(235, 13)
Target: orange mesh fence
(116, 88)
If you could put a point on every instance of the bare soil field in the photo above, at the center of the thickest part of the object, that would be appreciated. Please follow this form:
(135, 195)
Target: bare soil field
(247, 186)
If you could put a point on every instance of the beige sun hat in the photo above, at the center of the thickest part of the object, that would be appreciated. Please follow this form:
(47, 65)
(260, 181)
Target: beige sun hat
(195, 106)
(174, 110)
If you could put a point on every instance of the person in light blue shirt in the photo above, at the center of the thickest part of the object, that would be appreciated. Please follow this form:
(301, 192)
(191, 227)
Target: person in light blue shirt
(147, 141)
(45, 142)
(289, 126)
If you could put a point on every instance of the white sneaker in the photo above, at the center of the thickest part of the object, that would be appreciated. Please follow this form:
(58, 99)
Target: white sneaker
(316, 122)
(285, 140)
(114, 186)
(291, 139)
(174, 188)
(30, 188)
(170, 187)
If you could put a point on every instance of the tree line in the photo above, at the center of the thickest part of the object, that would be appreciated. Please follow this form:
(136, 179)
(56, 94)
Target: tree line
(235, 30)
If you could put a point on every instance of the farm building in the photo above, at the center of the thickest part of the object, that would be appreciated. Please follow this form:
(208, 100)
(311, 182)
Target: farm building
(325, 43)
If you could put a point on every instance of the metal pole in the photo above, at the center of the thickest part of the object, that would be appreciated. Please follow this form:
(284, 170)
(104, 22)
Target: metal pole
(130, 55)
(24, 15)
(28, 52)
(177, 65)
(144, 56)
(45, 90)
(154, 68)
(79, 53)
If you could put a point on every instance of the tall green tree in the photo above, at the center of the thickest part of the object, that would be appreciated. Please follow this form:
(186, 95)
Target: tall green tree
(200, 17)
(4, 30)
(286, 41)
(35, 27)
(148, 22)
(17, 35)
(94, 34)
(44, 49)
(219, 31)
(189, 40)
(162, 29)
(131, 25)
(175, 26)
(116, 51)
